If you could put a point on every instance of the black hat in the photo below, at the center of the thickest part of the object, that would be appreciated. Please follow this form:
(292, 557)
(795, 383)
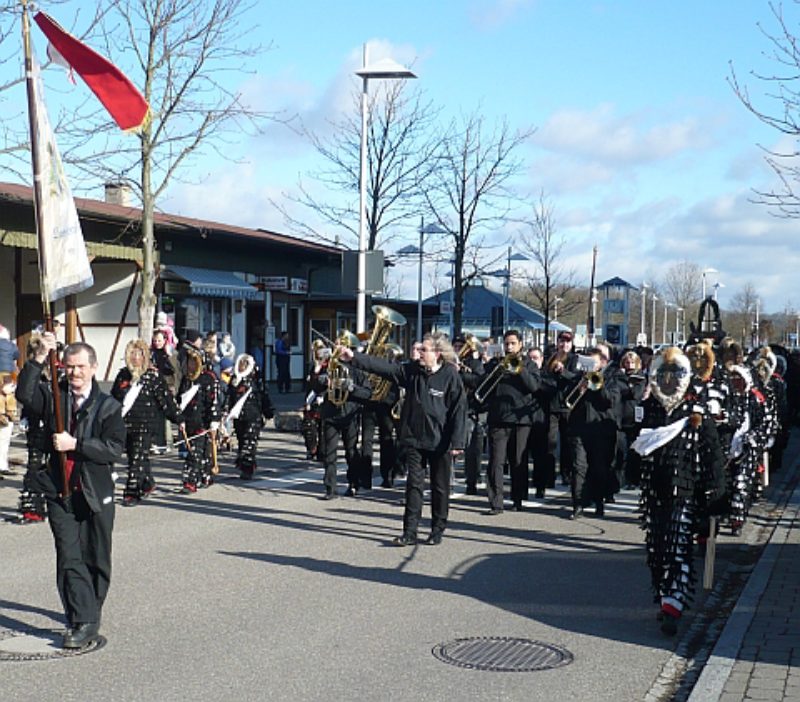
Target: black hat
(191, 336)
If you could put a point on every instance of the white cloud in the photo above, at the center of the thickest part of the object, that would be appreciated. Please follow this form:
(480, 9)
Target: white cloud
(600, 134)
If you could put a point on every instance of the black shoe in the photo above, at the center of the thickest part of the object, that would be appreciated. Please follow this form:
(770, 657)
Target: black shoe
(404, 540)
(540, 493)
(80, 635)
(434, 539)
(577, 513)
(471, 490)
(669, 625)
(600, 510)
(610, 500)
(517, 506)
(493, 511)
(387, 484)
(351, 491)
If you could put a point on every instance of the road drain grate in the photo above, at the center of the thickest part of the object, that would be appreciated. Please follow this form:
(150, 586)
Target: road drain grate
(502, 654)
(31, 644)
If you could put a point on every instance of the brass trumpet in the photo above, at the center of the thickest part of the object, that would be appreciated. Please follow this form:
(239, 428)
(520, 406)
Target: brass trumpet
(471, 345)
(592, 380)
(510, 363)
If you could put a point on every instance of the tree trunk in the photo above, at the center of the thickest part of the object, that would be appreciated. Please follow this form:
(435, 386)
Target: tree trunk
(147, 299)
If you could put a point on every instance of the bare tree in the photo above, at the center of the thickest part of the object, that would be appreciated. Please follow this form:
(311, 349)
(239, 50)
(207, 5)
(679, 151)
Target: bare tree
(784, 89)
(14, 136)
(400, 155)
(682, 285)
(471, 193)
(183, 53)
(741, 318)
(550, 281)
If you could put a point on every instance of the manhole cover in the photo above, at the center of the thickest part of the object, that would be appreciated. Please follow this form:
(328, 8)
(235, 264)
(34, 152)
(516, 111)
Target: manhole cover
(502, 654)
(30, 644)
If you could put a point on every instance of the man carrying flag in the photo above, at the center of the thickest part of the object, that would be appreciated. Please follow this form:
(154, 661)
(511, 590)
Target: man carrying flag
(78, 482)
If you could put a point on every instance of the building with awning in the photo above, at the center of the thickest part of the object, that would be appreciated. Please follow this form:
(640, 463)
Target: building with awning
(482, 314)
(252, 283)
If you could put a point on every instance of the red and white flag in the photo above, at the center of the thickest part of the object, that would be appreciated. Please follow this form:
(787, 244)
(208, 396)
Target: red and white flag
(111, 86)
(63, 262)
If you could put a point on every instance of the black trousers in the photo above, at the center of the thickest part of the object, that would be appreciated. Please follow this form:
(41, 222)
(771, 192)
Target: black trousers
(380, 418)
(544, 462)
(83, 556)
(440, 465)
(558, 440)
(593, 456)
(508, 441)
(330, 446)
(473, 454)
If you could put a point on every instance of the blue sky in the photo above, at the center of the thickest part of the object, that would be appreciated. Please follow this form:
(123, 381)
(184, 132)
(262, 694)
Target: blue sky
(640, 144)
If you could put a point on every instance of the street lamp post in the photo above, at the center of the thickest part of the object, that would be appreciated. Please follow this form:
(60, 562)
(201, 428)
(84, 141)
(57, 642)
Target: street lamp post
(386, 68)
(678, 312)
(507, 292)
(716, 287)
(667, 305)
(555, 308)
(644, 300)
(653, 321)
(757, 331)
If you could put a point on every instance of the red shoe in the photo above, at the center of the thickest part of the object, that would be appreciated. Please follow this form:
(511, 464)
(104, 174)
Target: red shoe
(146, 492)
(32, 517)
(189, 488)
(130, 501)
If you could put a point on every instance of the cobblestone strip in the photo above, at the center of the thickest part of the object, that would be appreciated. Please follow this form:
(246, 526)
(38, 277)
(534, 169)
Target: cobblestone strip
(724, 677)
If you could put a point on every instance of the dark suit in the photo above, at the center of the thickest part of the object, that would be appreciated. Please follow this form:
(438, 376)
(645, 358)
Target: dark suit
(81, 524)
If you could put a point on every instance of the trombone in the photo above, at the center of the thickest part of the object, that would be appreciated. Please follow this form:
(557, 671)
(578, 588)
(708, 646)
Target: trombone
(592, 380)
(510, 363)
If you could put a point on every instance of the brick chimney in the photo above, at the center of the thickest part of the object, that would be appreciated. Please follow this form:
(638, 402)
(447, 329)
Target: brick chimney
(118, 194)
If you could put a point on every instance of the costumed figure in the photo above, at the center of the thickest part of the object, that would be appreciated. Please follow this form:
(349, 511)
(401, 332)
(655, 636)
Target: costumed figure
(682, 481)
(200, 405)
(32, 503)
(247, 404)
(765, 429)
(146, 401)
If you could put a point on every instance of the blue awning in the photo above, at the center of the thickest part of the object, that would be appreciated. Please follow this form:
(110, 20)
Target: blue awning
(207, 282)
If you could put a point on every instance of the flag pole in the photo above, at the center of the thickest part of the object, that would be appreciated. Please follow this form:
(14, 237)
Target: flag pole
(37, 208)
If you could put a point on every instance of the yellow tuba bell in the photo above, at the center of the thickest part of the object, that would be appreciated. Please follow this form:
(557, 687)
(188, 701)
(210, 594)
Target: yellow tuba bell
(339, 373)
(386, 319)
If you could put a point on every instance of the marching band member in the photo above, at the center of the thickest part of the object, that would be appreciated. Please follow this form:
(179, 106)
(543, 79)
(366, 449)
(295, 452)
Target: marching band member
(592, 436)
(633, 389)
(562, 365)
(544, 462)
(200, 406)
(316, 377)
(510, 408)
(344, 390)
(247, 405)
(146, 401)
(682, 480)
(472, 372)
(432, 427)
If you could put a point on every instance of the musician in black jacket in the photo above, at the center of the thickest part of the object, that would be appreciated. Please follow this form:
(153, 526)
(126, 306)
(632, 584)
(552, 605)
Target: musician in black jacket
(472, 372)
(431, 427)
(544, 463)
(562, 366)
(82, 516)
(510, 407)
(345, 390)
(592, 434)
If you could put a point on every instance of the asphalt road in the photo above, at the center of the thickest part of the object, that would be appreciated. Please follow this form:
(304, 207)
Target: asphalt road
(262, 591)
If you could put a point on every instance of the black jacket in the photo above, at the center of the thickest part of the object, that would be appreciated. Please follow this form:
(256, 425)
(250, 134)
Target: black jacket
(153, 403)
(99, 429)
(435, 407)
(514, 400)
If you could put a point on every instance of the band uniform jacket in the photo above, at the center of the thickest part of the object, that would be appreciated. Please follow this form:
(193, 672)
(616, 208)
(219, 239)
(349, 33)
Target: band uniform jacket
(99, 430)
(517, 395)
(435, 407)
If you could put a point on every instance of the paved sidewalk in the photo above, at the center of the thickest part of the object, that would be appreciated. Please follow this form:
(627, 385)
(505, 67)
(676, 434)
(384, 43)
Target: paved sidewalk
(757, 657)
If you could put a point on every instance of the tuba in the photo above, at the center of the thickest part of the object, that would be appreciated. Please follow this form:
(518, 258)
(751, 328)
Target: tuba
(339, 373)
(510, 363)
(386, 319)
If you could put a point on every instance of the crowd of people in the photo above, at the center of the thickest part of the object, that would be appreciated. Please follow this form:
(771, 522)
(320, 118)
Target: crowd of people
(694, 429)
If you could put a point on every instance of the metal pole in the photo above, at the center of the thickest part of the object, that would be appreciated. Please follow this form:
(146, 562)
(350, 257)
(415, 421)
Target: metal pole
(419, 281)
(506, 292)
(644, 301)
(452, 301)
(361, 302)
(653, 321)
(664, 335)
